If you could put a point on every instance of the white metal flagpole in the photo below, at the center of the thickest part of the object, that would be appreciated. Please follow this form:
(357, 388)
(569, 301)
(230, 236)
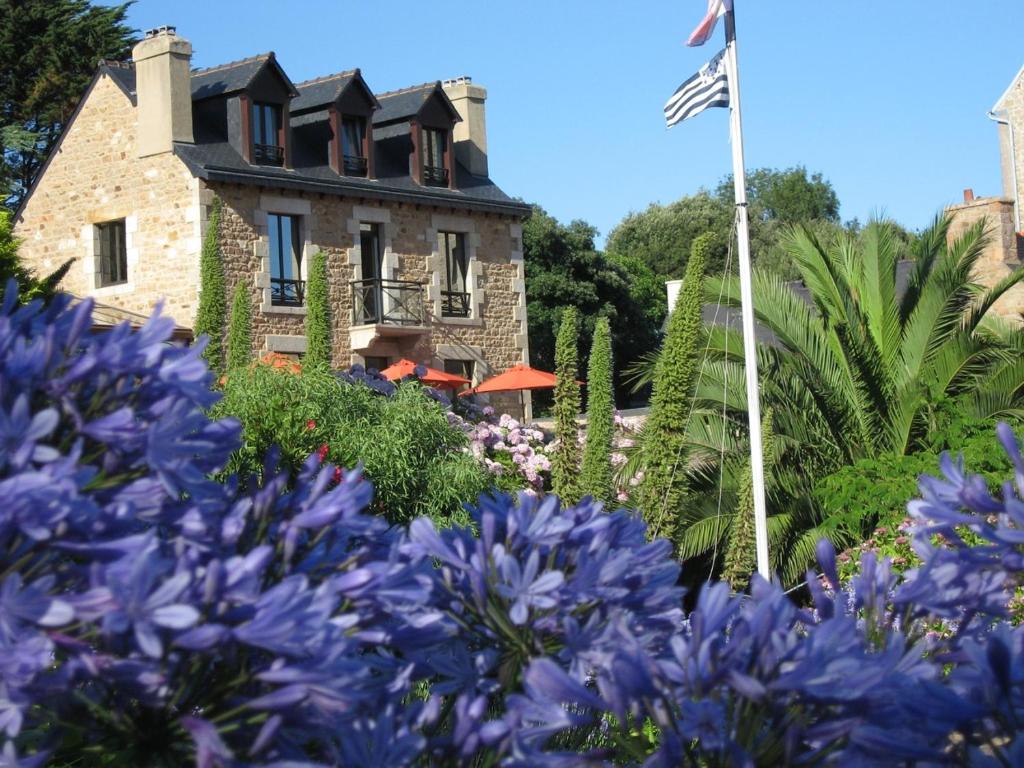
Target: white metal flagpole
(747, 298)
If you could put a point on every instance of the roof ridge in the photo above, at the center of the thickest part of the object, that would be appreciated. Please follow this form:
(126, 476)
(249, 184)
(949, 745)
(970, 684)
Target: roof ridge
(324, 78)
(120, 64)
(231, 64)
(409, 89)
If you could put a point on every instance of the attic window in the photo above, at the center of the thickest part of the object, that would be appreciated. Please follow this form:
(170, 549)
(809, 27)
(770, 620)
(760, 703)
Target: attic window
(435, 150)
(267, 146)
(353, 145)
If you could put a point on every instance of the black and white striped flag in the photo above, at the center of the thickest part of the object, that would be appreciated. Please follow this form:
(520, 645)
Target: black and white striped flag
(708, 88)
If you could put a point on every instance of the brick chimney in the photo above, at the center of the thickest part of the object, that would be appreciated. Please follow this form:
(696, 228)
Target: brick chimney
(164, 91)
(470, 135)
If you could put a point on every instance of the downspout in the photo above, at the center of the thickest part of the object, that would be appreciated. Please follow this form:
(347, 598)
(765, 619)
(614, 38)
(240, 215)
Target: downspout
(1013, 168)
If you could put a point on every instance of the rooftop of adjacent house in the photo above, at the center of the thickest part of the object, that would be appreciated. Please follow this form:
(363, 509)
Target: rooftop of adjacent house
(213, 158)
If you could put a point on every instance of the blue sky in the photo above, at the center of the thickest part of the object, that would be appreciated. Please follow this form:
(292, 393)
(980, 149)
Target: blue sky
(887, 98)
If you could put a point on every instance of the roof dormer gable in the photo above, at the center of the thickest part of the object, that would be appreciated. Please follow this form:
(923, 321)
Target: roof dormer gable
(347, 92)
(426, 105)
(260, 77)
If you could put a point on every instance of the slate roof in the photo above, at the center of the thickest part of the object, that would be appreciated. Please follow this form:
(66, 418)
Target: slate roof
(406, 103)
(323, 91)
(233, 77)
(216, 160)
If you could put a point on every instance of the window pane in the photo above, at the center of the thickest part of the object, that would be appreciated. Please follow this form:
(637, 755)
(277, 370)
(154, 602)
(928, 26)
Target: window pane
(352, 137)
(369, 245)
(112, 253)
(287, 257)
(274, 235)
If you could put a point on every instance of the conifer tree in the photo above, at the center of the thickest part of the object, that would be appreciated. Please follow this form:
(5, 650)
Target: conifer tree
(596, 474)
(318, 314)
(211, 316)
(240, 329)
(741, 554)
(565, 465)
(664, 486)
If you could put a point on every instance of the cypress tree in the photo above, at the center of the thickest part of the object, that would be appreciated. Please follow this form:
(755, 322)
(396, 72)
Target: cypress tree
(741, 553)
(240, 330)
(318, 314)
(565, 465)
(664, 486)
(596, 475)
(211, 317)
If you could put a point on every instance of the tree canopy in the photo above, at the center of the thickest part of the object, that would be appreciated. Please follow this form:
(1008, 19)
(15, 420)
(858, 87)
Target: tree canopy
(564, 268)
(48, 53)
(662, 235)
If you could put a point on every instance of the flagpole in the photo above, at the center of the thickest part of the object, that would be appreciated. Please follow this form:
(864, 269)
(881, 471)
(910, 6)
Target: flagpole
(747, 298)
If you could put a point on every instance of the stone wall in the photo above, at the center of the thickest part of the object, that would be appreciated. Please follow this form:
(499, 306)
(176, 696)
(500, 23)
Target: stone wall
(94, 177)
(1012, 163)
(1002, 254)
(494, 337)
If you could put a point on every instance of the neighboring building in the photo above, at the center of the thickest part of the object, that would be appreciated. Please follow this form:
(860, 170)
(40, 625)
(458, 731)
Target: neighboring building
(424, 251)
(1002, 214)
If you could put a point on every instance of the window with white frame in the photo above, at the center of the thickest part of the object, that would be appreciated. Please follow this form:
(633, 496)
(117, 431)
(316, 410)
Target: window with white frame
(111, 253)
(455, 299)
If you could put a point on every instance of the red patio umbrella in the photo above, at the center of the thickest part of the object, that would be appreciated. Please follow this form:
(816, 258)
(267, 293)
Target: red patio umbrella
(516, 378)
(434, 377)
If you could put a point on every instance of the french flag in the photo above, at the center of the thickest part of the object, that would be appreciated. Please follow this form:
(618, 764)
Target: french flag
(706, 27)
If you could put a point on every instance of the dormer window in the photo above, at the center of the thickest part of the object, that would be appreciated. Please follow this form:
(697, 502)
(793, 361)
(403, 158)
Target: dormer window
(353, 145)
(267, 144)
(435, 150)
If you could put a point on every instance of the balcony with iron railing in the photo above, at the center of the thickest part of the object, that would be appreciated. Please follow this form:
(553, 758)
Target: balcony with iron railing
(387, 302)
(285, 292)
(455, 304)
(435, 176)
(267, 154)
(355, 165)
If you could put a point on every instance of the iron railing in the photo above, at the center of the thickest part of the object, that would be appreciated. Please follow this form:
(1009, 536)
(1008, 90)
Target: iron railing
(434, 176)
(267, 154)
(355, 165)
(454, 304)
(387, 302)
(287, 293)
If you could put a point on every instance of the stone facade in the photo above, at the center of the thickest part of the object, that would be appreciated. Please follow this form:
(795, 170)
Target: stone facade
(95, 176)
(494, 337)
(1009, 114)
(1002, 254)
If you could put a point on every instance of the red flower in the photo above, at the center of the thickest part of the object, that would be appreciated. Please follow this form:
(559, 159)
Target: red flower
(322, 452)
(337, 474)
(310, 424)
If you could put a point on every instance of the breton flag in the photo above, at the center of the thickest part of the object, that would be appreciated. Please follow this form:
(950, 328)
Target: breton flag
(706, 27)
(708, 88)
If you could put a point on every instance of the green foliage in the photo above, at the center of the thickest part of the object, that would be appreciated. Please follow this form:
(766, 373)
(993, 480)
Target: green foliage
(240, 330)
(211, 316)
(565, 465)
(563, 268)
(596, 474)
(416, 460)
(662, 235)
(318, 314)
(741, 553)
(29, 287)
(790, 196)
(48, 53)
(663, 452)
(861, 366)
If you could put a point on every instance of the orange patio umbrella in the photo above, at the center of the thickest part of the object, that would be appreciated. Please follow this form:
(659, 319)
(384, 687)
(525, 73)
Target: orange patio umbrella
(515, 379)
(434, 377)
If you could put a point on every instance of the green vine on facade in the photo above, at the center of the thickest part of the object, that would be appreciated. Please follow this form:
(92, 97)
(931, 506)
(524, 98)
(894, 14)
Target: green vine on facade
(240, 330)
(318, 314)
(211, 316)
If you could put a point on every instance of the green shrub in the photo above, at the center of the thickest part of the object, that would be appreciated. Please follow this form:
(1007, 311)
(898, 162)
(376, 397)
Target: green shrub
(318, 314)
(596, 474)
(240, 329)
(211, 315)
(664, 486)
(565, 464)
(416, 460)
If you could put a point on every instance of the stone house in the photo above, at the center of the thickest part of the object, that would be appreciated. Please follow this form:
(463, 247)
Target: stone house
(1005, 250)
(424, 251)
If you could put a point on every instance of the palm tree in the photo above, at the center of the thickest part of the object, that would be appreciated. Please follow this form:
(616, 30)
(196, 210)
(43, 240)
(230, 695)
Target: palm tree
(853, 370)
